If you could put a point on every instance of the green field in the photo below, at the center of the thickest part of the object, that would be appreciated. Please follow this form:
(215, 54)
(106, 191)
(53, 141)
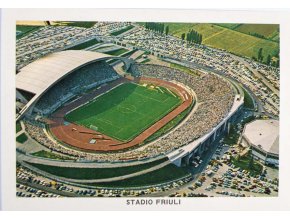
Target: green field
(228, 25)
(235, 38)
(117, 52)
(96, 173)
(50, 155)
(266, 30)
(25, 29)
(18, 127)
(248, 101)
(125, 111)
(87, 24)
(242, 44)
(167, 173)
(84, 45)
(22, 138)
(122, 30)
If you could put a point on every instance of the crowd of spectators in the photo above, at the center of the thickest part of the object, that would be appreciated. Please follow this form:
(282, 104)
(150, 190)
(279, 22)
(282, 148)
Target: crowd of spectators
(76, 83)
(36, 131)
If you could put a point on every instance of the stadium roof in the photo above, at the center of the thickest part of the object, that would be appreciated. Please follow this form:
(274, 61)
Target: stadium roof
(39, 75)
(264, 134)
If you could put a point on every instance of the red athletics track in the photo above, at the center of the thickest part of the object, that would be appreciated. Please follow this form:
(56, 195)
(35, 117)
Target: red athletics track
(79, 136)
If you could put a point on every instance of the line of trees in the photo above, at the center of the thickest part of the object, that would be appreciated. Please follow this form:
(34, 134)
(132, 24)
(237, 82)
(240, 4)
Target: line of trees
(192, 37)
(270, 60)
(157, 27)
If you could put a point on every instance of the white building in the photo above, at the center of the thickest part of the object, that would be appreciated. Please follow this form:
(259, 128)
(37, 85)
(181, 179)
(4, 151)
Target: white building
(263, 138)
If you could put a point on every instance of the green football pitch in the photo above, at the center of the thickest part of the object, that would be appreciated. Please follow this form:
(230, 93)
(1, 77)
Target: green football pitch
(125, 111)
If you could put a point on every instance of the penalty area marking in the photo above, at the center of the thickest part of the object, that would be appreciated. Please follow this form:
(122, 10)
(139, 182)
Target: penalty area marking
(171, 92)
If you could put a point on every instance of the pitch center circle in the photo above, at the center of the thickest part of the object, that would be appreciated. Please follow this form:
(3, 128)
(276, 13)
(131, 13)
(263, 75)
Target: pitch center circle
(126, 109)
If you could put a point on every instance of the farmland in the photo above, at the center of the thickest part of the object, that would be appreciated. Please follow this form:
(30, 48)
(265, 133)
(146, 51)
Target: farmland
(234, 38)
(267, 30)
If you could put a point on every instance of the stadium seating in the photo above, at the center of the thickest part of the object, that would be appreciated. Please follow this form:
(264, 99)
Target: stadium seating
(77, 82)
(214, 94)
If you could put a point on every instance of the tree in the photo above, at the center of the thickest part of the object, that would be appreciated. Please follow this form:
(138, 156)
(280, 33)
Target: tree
(238, 157)
(193, 37)
(200, 40)
(183, 36)
(251, 162)
(268, 62)
(260, 54)
(167, 30)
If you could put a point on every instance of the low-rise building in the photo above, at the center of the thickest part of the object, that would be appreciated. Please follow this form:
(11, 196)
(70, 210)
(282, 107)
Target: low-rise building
(262, 136)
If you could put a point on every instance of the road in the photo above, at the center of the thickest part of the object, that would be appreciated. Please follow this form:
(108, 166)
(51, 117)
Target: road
(48, 189)
(257, 74)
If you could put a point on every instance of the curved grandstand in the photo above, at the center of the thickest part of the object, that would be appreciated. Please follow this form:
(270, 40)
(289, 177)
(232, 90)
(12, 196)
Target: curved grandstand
(213, 99)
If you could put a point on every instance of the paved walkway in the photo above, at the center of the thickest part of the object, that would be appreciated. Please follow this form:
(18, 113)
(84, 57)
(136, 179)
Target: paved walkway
(258, 75)
(69, 163)
(22, 130)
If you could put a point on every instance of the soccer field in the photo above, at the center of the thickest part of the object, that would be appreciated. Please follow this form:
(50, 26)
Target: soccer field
(125, 111)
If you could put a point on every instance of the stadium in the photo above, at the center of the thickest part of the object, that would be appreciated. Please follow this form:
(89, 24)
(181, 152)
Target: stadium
(76, 106)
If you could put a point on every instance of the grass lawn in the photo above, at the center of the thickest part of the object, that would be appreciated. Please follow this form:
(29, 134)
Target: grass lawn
(267, 30)
(248, 101)
(95, 173)
(165, 174)
(84, 45)
(228, 25)
(18, 127)
(185, 69)
(241, 44)
(74, 23)
(117, 52)
(24, 30)
(125, 111)
(129, 53)
(145, 61)
(122, 30)
(176, 29)
(243, 163)
(22, 138)
(50, 155)
(234, 38)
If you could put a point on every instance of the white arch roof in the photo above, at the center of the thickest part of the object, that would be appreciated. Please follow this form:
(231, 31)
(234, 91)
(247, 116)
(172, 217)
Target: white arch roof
(264, 134)
(39, 75)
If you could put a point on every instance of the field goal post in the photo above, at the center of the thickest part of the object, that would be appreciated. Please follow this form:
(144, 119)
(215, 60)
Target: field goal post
(93, 127)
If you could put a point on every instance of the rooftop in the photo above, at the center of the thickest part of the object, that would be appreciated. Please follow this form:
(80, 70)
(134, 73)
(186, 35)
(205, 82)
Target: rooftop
(264, 134)
(39, 75)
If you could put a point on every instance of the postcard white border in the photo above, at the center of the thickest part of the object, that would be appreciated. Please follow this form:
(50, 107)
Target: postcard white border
(8, 157)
